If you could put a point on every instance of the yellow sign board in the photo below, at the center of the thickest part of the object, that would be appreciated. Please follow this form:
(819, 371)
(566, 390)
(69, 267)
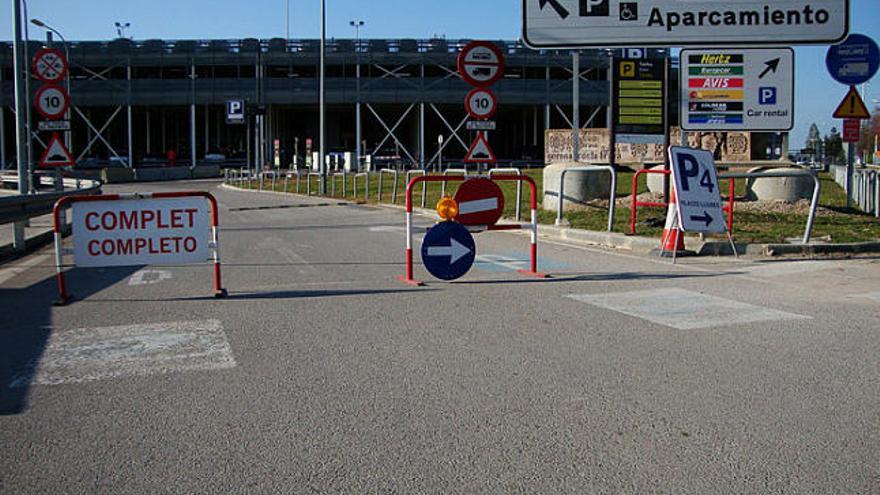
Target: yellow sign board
(852, 107)
(718, 95)
(641, 111)
(641, 119)
(641, 102)
(641, 85)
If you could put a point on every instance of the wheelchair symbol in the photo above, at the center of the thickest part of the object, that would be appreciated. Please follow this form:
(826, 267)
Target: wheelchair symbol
(629, 11)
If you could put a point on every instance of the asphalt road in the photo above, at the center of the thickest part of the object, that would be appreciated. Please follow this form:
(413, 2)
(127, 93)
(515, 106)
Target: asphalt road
(322, 373)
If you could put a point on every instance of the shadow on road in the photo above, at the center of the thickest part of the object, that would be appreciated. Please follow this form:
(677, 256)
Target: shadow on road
(287, 294)
(596, 277)
(296, 228)
(27, 325)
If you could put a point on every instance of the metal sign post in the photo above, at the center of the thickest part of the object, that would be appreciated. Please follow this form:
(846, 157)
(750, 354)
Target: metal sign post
(855, 61)
(480, 64)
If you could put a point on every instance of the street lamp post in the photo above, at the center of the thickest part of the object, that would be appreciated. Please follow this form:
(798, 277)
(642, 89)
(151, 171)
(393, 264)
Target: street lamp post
(357, 108)
(121, 27)
(322, 147)
(21, 130)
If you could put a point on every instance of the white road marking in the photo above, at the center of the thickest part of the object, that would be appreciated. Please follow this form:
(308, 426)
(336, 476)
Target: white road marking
(387, 228)
(149, 277)
(783, 268)
(290, 255)
(89, 354)
(683, 309)
(874, 296)
(11, 272)
(503, 262)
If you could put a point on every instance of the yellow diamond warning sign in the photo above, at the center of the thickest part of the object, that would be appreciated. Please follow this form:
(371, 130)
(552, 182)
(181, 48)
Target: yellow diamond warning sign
(852, 107)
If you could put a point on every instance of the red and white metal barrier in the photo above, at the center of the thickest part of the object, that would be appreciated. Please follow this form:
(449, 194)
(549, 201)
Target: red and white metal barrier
(61, 204)
(532, 227)
(729, 208)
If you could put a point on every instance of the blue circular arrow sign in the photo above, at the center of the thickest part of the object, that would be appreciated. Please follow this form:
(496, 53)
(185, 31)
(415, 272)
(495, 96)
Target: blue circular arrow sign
(855, 61)
(448, 251)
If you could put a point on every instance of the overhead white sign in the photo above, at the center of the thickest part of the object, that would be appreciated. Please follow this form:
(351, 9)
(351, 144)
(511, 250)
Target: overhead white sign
(728, 89)
(698, 197)
(167, 231)
(603, 23)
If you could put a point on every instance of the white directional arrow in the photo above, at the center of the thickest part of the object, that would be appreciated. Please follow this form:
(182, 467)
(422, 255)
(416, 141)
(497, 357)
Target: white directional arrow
(455, 251)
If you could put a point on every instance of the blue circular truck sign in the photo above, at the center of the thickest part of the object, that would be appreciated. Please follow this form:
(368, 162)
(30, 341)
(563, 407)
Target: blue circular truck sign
(855, 61)
(448, 251)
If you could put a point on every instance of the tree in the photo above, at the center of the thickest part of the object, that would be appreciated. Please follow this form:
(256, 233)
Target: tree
(834, 146)
(813, 144)
(869, 137)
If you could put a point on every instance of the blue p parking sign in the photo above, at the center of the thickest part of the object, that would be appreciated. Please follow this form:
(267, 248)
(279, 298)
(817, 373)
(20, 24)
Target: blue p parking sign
(235, 112)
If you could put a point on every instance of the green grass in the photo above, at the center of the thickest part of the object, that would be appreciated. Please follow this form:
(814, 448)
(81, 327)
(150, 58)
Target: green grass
(844, 226)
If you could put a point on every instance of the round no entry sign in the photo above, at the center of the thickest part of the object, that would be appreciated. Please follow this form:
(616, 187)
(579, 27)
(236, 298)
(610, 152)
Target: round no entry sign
(481, 63)
(480, 202)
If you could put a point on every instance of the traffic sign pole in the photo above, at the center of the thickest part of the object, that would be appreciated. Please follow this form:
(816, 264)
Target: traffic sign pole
(850, 169)
(855, 61)
(21, 130)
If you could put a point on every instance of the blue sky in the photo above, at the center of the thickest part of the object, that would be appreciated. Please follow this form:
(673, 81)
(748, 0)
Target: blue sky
(817, 93)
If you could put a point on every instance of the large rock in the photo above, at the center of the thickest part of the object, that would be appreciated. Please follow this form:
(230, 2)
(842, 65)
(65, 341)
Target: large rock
(116, 175)
(177, 173)
(655, 181)
(579, 187)
(206, 172)
(149, 174)
(789, 189)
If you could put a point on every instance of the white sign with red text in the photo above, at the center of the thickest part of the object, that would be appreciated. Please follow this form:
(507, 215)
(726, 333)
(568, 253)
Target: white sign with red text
(166, 231)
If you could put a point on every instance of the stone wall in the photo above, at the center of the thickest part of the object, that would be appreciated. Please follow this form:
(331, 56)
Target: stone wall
(729, 147)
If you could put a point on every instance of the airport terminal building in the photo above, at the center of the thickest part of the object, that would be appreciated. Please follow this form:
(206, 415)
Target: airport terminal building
(134, 101)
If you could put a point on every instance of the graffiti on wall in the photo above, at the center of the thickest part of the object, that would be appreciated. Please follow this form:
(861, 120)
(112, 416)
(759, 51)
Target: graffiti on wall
(731, 147)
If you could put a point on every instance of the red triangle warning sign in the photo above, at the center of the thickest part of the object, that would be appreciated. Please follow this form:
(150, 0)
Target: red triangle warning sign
(56, 154)
(852, 106)
(480, 151)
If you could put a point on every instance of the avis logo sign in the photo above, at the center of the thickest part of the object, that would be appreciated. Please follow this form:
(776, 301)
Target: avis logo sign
(594, 8)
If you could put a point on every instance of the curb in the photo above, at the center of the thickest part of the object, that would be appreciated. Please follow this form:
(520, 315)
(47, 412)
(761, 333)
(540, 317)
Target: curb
(32, 243)
(645, 245)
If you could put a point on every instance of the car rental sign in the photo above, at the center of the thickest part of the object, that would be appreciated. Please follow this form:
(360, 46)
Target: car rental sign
(603, 23)
(166, 231)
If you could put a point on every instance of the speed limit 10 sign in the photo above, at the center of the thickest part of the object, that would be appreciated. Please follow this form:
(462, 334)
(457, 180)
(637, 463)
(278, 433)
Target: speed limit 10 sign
(481, 103)
(51, 101)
